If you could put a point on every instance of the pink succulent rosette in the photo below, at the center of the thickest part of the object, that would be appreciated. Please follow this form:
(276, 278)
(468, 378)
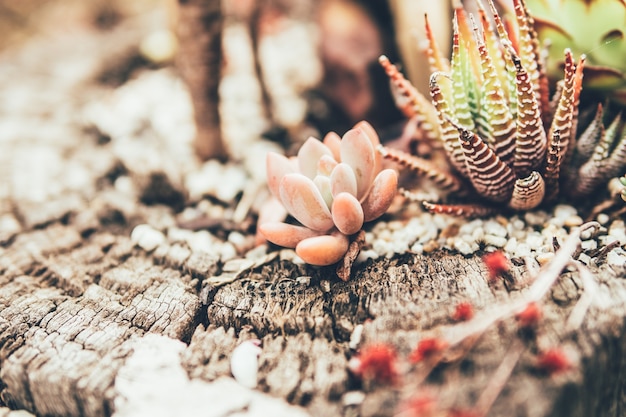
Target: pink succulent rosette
(331, 188)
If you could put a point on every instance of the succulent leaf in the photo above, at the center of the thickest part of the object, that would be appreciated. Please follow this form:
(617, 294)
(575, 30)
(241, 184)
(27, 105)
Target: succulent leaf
(552, 172)
(277, 167)
(347, 213)
(425, 168)
(528, 48)
(309, 155)
(304, 202)
(322, 182)
(591, 136)
(528, 192)
(284, 234)
(463, 92)
(562, 119)
(499, 131)
(530, 143)
(491, 177)
(436, 60)
(358, 152)
(449, 133)
(333, 142)
(324, 249)
(343, 179)
(326, 164)
(381, 194)
(371, 134)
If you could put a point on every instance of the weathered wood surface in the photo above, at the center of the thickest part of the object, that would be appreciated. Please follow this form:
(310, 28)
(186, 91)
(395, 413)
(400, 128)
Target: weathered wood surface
(92, 325)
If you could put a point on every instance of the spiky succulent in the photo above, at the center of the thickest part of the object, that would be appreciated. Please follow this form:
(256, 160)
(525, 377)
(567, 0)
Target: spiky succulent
(331, 188)
(498, 126)
(595, 28)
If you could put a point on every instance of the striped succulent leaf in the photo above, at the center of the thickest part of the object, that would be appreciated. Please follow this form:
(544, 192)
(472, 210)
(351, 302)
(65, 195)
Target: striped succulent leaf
(497, 124)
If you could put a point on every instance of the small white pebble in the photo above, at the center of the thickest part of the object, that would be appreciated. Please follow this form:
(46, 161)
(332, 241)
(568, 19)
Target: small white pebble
(257, 252)
(384, 235)
(236, 238)
(364, 255)
(147, 237)
(516, 224)
(125, 185)
(244, 362)
(463, 246)
(441, 221)
(535, 218)
(584, 258)
(586, 234)
(478, 234)
(159, 46)
(616, 259)
(522, 250)
(430, 233)
(395, 225)
(618, 231)
(494, 228)
(200, 241)
(353, 398)
(547, 247)
(399, 246)
(572, 221)
(589, 244)
(468, 228)
(564, 211)
(497, 241)
(417, 248)
(606, 239)
(551, 231)
(511, 245)
(355, 337)
(603, 218)
(534, 240)
(544, 257)
(9, 224)
(227, 251)
(468, 238)
(304, 280)
(176, 234)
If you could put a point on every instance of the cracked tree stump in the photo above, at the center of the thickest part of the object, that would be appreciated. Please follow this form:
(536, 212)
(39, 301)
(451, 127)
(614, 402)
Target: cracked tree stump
(93, 325)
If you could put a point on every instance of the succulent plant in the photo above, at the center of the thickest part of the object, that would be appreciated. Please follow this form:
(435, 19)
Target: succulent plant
(499, 128)
(592, 27)
(331, 188)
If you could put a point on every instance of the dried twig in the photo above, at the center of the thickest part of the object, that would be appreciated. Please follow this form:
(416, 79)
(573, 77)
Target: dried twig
(544, 280)
(579, 311)
(499, 378)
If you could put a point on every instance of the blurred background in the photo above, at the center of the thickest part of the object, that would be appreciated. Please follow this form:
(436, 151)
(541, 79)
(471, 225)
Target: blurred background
(308, 66)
